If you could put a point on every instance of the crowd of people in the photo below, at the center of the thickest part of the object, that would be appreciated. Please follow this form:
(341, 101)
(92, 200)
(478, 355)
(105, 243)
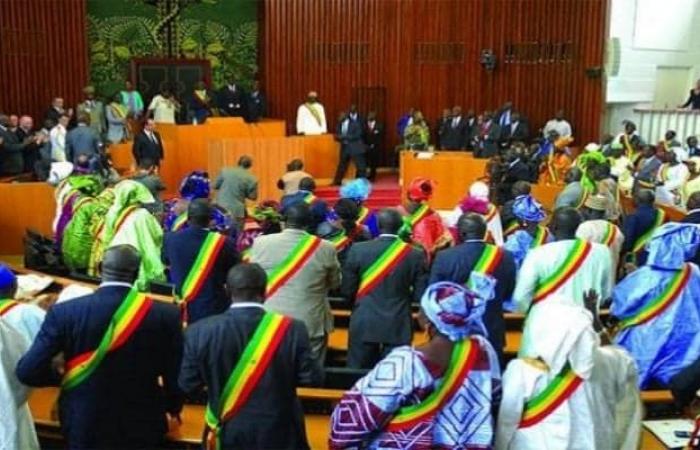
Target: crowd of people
(253, 319)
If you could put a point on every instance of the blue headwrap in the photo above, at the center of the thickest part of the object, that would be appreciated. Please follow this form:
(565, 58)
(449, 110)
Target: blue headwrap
(195, 185)
(221, 220)
(526, 208)
(455, 310)
(7, 277)
(358, 190)
(672, 244)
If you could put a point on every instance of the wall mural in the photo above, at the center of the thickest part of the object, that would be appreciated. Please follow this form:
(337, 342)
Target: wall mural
(223, 31)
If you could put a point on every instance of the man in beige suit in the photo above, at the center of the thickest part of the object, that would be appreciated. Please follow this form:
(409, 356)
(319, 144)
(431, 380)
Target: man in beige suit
(303, 295)
(234, 185)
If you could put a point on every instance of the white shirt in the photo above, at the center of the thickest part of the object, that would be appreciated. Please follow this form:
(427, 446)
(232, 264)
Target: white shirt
(494, 226)
(307, 123)
(673, 179)
(57, 137)
(163, 109)
(26, 319)
(562, 127)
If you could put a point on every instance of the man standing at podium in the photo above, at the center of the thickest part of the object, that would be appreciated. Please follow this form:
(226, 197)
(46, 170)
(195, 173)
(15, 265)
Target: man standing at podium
(311, 117)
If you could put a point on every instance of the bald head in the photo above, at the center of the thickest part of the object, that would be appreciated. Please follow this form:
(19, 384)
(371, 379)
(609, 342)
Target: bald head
(199, 212)
(389, 221)
(471, 226)
(246, 283)
(521, 188)
(644, 197)
(574, 174)
(307, 184)
(297, 216)
(564, 223)
(693, 201)
(121, 263)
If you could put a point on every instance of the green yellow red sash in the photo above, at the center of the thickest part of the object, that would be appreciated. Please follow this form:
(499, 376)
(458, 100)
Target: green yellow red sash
(340, 241)
(309, 198)
(382, 267)
(363, 216)
(582, 200)
(122, 218)
(628, 145)
(81, 202)
(245, 255)
(179, 222)
(663, 171)
(125, 321)
(658, 304)
(119, 111)
(610, 235)
(541, 237)
(6, 305)
(292, 263)
(314, 112)
(491, 213)
(419, 214)
(490, 257)
(202, 266)
(578, 253)
(641, 241)
(247, 372)
(512, 227)
(557, 392)
(462, 361)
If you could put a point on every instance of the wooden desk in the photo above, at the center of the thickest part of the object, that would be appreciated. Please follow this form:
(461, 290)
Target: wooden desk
(22, 206)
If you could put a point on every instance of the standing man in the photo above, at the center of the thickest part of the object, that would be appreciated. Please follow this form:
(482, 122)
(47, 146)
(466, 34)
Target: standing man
(82, 142)
(349, 134)
(131, 98)
(11, 149)
(374, 138)
(454, 132)
(122, 353)
(275, 348)
(558, 124)
(95, 109)
(504, 117)
(566, 268)
(231, 100)
(164, 106)
(256, 104)
(381, 278)
(58, 138)
(147, 144)
(474, 254)
(311, 117)
(56, 110)
(234, 186)
(517, 131)
(199, 260)
(487, 137)
(31, 151)
(301, 270)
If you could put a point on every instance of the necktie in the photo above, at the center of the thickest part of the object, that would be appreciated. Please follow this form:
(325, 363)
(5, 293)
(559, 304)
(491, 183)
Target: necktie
(153, 137)
(345, 127)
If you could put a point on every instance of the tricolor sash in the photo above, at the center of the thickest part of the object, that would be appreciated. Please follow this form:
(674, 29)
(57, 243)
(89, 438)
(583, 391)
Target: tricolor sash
(124, 323)
(314, 112)
(582, 200)
(663, 171)
(6, 305)
(119, 111)
(610, 235)
(641, 241)
(577, 254)
(294, 261)
(126, 212)
(202, 97)
(81, 202)
(179, 222)
(202, 266)
(363, 215)
(559, 390)
(628, 145)
(340, 241)
(419, 214)
(309, 198)
(658, 304)
(382, 267)
(462, 361)
(491, 213)
(245, 255)
(541, 237)
(490, 257)
(512, 227)
(246, 374)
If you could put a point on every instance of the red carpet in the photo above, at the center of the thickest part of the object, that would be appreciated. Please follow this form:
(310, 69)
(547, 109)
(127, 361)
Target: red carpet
(385, 192)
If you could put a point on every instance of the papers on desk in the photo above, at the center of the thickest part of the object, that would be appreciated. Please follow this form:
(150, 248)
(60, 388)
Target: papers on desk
(665, 430)
(424, 155)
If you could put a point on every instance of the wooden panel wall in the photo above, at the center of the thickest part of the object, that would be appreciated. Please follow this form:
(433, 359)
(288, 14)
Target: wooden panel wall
(43, 49)
(22, 206)
(425, 53)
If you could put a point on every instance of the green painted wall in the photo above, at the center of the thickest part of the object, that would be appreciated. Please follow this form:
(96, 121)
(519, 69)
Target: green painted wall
(222, 31)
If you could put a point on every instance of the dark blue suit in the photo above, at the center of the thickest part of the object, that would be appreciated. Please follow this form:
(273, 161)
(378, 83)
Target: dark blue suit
(456, 264)
(319, 208)
(635, 225)
(120, 405)
(180, 249)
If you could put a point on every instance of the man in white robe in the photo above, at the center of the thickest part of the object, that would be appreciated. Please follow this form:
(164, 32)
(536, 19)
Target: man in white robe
(602, 411)
(23, 317)
(311, 117)
(671, 177)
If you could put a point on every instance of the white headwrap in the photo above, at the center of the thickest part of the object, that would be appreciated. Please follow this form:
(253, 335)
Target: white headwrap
(479, 190)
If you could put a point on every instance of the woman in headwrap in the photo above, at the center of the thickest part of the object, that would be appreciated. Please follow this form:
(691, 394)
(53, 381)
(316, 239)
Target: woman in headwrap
(344, 229)
(530, 234)
(657, 306)
(79, 235)
(417, 134)
(195, 185)
(565, 391)
(424, 225)
(478, 201)
(358, 190)
(129, 222)
(265, 219)
(68, 193)
(415, 397)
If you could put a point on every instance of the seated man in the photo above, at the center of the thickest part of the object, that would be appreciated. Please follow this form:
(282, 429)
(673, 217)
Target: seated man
(23, 317)
(530, 234)
(382, 278)
(639, 226)
(670, 179)
(593, 400)
(199, 260)
(122, 353)
(657, 306)
(273, 348)
(305, 194)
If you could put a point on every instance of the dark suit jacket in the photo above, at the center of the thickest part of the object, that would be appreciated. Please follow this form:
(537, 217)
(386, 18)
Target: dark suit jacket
(256, 106)
(454, 137)
(520, 133)
(351, 141)
(456, 264)
(11, 153)
(272, 417)
(120, 405)
(52, 114)
(231, 103)
(319, 208)
(384, 315)
(489, 141)
(144, 147)
(81, 140)
(180, 249)
(374, 137)
(634, 226)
